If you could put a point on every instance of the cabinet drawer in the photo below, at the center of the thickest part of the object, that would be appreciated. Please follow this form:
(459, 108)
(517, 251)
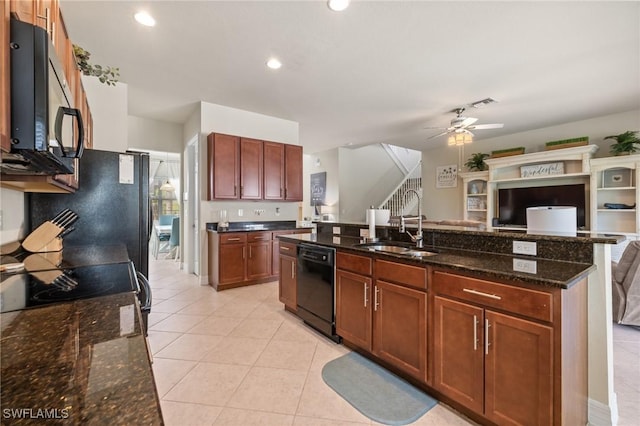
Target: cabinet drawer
(413, 276)
(233, 238)
(288, 249)
(353, 262)
(259, 236)
(523, 301)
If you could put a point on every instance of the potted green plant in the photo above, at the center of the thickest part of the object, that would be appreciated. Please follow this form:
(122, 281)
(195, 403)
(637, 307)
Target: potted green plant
(476, 162)
(626, 143)
(106, 75)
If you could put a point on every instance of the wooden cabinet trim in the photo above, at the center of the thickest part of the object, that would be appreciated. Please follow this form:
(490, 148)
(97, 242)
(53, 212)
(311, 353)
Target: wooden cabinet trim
(233, 238)
(354, 263)
(523, 301)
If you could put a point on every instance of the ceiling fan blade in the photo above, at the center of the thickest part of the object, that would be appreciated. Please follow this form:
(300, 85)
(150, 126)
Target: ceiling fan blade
(436, 128)
(438, 135)
(468, 121)
(487, 126)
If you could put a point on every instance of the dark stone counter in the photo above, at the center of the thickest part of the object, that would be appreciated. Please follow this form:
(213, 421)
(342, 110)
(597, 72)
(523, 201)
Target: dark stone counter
(549, 273)
(82, 362)
(273, 225)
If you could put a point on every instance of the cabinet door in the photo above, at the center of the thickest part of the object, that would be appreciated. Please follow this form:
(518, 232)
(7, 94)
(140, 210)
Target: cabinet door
(223, 161)
(250, 169)
(458, 352)
(273, 171)
(5, 107)
(400, 327)
(288, 282)
(259, 260)
(518, 371)
(293, 173)
(232, 263)
(353, 308)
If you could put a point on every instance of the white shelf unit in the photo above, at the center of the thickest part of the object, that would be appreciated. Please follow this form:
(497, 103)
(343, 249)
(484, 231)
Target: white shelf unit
(506, 172)
(475, 195)
(614, 180)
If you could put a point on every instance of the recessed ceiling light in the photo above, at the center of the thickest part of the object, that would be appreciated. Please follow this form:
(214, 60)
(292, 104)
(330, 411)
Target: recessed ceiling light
(338, 5)
(145, 19)
(274, 63)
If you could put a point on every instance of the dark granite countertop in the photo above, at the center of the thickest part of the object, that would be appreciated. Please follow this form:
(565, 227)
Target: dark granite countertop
(272, 225)
(549, 273)
(82, 362)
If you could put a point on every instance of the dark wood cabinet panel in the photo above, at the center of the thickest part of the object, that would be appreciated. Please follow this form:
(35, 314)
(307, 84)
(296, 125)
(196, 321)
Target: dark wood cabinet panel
(288, 291)
(354, 308)
(223, 161)
(273, 171)
(259, 260)
(293, 173)
(518, 371)
(458, 352)
(400, 327)
(251, 160)
(232, 264)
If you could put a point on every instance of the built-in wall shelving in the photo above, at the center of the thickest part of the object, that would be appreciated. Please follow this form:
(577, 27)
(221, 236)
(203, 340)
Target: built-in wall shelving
(475, 195)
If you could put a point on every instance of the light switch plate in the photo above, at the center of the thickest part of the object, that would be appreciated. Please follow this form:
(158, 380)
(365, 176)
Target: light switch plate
(525, 247)
(525, 265)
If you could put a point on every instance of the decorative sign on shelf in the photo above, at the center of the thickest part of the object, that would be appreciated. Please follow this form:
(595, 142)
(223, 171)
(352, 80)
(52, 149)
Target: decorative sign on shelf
(547, 169)
(447, 176)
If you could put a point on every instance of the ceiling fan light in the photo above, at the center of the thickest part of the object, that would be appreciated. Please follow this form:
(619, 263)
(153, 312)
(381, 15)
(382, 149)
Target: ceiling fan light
(451, 141)
(338, 5)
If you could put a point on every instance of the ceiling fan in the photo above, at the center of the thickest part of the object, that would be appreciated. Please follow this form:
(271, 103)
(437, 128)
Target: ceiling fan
(462, 124)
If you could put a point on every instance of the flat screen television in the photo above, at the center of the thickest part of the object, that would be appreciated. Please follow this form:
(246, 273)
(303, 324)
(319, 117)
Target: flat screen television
(513, 202)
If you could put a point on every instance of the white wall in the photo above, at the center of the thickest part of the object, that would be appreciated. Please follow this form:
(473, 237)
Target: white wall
(447, 203)
(109, 111)
(367, 177)
(154, 135)
(12, 206)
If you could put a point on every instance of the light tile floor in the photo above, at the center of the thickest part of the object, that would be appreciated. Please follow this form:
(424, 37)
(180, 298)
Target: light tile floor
(237, 358)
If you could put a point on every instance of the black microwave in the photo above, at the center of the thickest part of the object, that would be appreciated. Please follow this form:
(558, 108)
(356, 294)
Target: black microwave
(47, 133)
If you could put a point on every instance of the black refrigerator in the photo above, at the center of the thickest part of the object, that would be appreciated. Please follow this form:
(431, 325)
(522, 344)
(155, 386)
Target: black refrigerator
(112, 204)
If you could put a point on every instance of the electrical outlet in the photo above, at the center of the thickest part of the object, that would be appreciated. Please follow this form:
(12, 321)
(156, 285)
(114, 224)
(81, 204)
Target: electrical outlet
(336, 230)
(364, 233)
(240, 212)
(525, 247)
(525, 265)
(1, 220)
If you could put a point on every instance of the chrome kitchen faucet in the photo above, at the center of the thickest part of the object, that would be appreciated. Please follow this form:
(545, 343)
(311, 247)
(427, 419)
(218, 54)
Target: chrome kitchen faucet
(418, 237)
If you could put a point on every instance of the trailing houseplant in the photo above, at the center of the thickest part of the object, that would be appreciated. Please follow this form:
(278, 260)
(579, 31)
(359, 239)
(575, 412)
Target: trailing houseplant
(626, 143)
(106, 75)
(476, 162)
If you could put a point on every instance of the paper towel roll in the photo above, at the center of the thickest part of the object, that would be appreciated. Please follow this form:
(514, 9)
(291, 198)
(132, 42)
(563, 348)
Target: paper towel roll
(554, 220)
(371, 220)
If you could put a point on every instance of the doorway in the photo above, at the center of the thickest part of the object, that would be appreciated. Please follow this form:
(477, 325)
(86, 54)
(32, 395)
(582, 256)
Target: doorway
(191, 208)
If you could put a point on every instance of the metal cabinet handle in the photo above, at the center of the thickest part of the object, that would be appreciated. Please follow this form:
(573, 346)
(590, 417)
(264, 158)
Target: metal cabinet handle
(250, 252)
(375, 299)
(285, 248)
(479, 293)
(293, 270)
(243, 252)
(486, 336)
(365, 294)
(475, 333)
(233, 239)
(48, 23)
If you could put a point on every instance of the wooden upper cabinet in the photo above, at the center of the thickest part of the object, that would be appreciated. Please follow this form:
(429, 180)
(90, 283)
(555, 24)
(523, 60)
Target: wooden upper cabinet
(273, 171)
(293, 173)
(24, 10)
(5, 86)
(223, 164)
(251, 160)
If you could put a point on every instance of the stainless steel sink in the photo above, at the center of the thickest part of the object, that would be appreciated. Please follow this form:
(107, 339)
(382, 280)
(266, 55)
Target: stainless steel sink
(391, 248)
(388, 248)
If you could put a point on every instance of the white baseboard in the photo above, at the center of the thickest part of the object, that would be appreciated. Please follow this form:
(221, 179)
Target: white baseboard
(603, 415)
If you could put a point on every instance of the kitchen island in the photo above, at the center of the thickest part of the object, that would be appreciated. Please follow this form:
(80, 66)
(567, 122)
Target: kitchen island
(500, 336)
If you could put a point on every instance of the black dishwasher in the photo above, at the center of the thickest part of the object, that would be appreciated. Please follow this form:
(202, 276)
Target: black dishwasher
(316, 289)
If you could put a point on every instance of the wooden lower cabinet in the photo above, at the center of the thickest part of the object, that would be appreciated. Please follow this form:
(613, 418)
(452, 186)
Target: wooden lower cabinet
(288, 283)
(383, 318)
(353, 308)
(232, 263)
(400, 327)
(259, 260)
(493, 355)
